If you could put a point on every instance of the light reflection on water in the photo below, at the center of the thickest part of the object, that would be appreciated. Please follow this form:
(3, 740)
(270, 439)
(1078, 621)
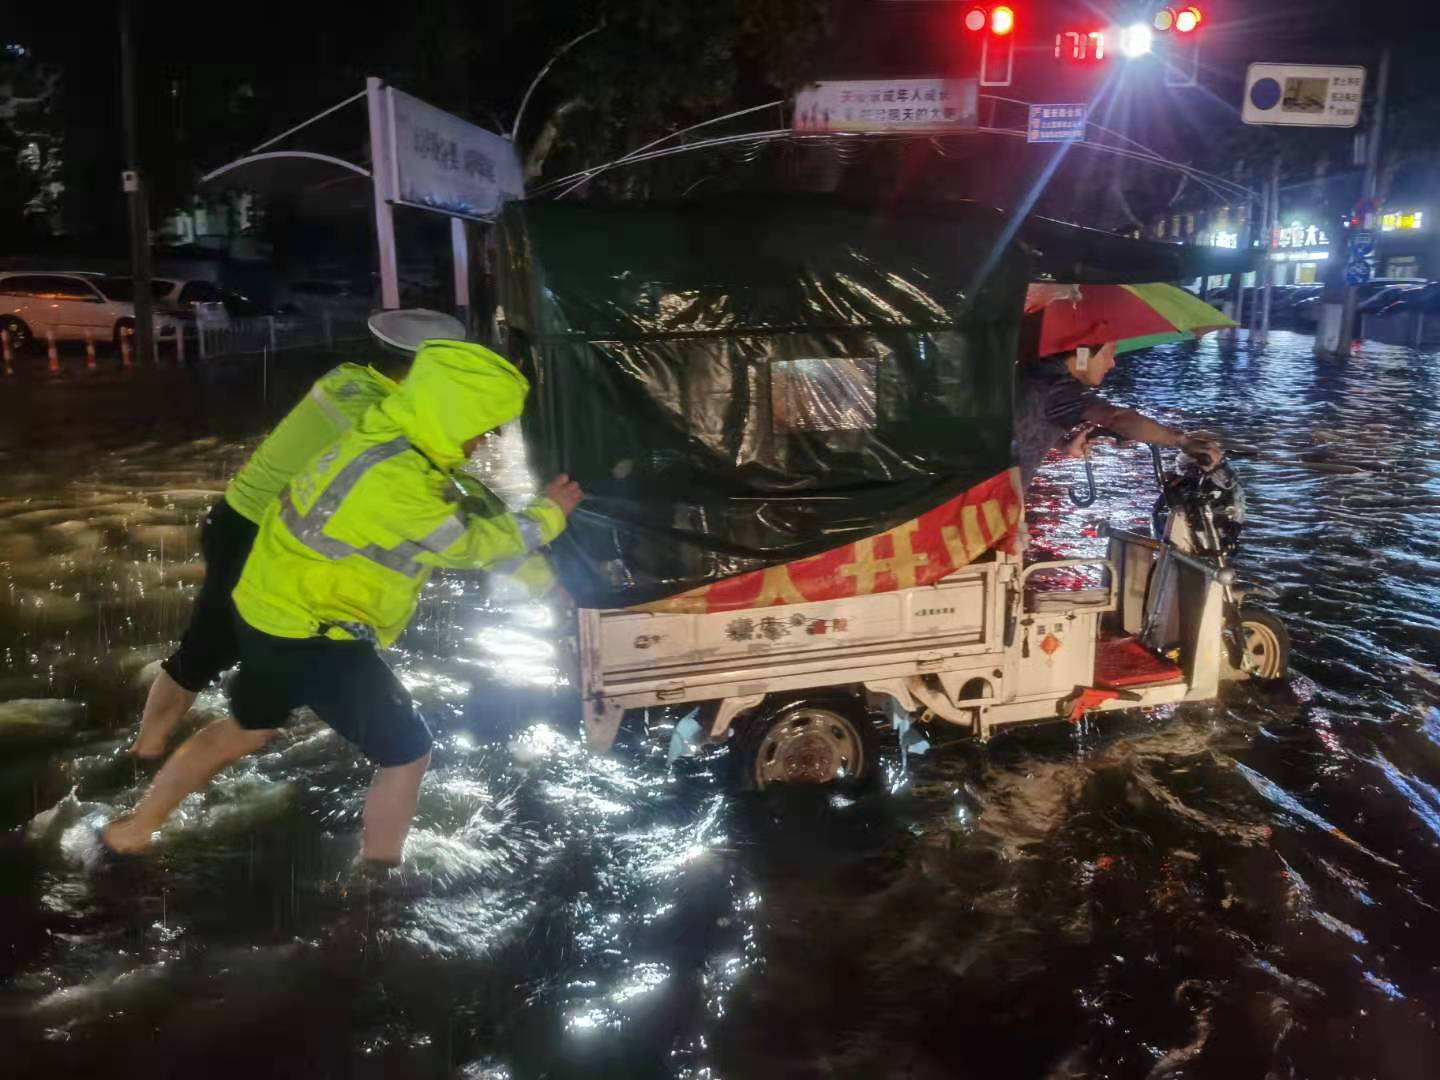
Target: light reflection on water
(1214, 887)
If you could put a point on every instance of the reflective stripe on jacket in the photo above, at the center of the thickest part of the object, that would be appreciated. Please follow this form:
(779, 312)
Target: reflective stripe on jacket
(334, 404)
(347, 547)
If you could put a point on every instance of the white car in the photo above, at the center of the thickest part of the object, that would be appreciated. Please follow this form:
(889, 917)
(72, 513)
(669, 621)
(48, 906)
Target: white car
(71, 307)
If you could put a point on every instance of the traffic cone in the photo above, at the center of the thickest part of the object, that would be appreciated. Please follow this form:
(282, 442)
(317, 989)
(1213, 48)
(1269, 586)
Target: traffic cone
(6, 352)
(51, 351)
(125, 346)
(89, 350)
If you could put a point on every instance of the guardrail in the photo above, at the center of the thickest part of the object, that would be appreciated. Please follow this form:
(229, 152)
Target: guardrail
(274, 333)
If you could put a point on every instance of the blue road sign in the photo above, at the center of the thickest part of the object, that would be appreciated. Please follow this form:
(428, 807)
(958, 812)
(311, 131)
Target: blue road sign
(1357, 272)
(1056, 123)
(1362, 244)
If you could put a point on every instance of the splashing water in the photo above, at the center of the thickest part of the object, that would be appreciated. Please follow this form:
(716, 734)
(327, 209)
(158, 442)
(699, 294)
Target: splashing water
(1249, 888)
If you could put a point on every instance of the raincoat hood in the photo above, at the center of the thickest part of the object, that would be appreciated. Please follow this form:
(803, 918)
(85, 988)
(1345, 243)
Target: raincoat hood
(455, 390)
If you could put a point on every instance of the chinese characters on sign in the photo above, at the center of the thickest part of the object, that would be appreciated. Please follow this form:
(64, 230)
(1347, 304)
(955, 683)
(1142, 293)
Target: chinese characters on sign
(443, 163)
(1299, 236)
(1056, 123)
(1303, 95)
(1408, 219)
(933, 106)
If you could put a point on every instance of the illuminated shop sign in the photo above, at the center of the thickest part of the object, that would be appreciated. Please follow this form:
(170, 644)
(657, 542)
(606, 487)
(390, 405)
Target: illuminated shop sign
(1299, 236)
(1402, 220)
(1299, 256)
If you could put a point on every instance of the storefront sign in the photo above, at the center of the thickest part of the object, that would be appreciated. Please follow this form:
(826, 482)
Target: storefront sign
(1402, 220)
(1297, 235)
(1299, 256)
(1227, 240)
(933, 106)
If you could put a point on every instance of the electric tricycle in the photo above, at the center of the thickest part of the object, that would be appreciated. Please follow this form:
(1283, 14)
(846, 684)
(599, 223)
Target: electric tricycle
(793, 422)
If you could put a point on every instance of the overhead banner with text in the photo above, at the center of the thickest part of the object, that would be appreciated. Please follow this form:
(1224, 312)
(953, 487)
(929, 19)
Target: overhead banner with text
(902, 106)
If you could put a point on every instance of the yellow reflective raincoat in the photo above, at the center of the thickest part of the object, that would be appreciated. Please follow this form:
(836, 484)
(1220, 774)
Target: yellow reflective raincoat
(347, 547)
(338, 399)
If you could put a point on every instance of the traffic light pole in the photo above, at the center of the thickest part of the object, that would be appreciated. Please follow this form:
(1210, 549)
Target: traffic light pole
(135, 195)
(1369, 187)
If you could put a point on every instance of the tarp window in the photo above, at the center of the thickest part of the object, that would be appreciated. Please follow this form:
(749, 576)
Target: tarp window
(835, 393)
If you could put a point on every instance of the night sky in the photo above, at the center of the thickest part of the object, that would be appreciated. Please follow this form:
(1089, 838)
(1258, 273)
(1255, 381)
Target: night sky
(302, 57)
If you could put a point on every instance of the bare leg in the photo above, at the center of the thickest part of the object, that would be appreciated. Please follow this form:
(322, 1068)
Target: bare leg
(198, 759)
(390, 809)
(165, 705)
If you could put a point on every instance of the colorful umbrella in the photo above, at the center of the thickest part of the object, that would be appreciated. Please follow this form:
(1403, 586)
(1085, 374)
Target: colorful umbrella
(1133, 316)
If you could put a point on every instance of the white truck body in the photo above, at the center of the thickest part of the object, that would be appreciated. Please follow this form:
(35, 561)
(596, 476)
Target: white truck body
(982, 647)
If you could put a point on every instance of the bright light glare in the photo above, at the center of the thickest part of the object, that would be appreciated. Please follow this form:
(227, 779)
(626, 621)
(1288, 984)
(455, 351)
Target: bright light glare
(975, 19)
(1002, 21)
(1135, 41)
(1187, 20)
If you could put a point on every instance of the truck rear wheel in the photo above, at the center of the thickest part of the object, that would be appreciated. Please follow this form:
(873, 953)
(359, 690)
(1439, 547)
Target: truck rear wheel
(811, 741)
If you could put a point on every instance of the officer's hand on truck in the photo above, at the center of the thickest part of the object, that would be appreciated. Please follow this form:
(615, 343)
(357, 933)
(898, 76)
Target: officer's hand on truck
(564, 493)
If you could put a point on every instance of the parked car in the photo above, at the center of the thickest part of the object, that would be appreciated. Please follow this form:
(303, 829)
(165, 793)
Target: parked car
(1286, 298)
(181, 297)
(1384, 298)
(1307, 312)
(1425, 299)
(313, 297)
(69, 307)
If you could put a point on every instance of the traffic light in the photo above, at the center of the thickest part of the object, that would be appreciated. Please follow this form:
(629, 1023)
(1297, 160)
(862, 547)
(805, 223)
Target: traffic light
(997, 44)
(1182, 51)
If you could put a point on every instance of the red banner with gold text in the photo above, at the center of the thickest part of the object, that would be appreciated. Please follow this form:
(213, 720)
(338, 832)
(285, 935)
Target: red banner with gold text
(919, 552)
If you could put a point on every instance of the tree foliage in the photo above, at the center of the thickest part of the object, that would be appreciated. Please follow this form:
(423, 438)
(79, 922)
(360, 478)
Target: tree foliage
(657, 66)
(30, 147)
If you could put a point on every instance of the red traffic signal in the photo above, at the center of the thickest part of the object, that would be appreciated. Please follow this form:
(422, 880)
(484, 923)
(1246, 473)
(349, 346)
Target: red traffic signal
(1184, 20)
(997, 48)
(1000, 20)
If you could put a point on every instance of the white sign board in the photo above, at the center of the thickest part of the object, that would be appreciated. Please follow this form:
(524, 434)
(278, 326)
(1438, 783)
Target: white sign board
(919, 106)
(1303, 95)
(440, 162)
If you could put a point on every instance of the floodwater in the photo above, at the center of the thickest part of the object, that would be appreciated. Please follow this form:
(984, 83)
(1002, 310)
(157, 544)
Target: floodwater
(1249, 889)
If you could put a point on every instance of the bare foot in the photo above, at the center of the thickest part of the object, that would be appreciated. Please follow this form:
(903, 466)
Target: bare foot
(123, 837)
(148, 746)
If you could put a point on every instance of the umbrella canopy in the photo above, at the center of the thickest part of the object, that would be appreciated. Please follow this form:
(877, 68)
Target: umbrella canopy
(1132, 316)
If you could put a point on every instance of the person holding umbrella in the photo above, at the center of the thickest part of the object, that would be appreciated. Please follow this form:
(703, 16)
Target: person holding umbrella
(1068, 344)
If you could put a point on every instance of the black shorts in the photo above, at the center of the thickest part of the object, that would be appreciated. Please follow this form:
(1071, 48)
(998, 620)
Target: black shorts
(346, 682)
(208, 646)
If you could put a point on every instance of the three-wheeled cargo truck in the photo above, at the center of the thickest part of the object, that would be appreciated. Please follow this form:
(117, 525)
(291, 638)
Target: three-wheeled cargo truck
(793, 423)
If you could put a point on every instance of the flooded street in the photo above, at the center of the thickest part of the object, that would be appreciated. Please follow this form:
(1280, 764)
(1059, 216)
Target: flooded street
(1248, 889)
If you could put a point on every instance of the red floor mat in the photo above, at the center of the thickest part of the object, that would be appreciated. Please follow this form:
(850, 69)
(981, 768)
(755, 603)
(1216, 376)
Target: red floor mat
(1124, 661)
